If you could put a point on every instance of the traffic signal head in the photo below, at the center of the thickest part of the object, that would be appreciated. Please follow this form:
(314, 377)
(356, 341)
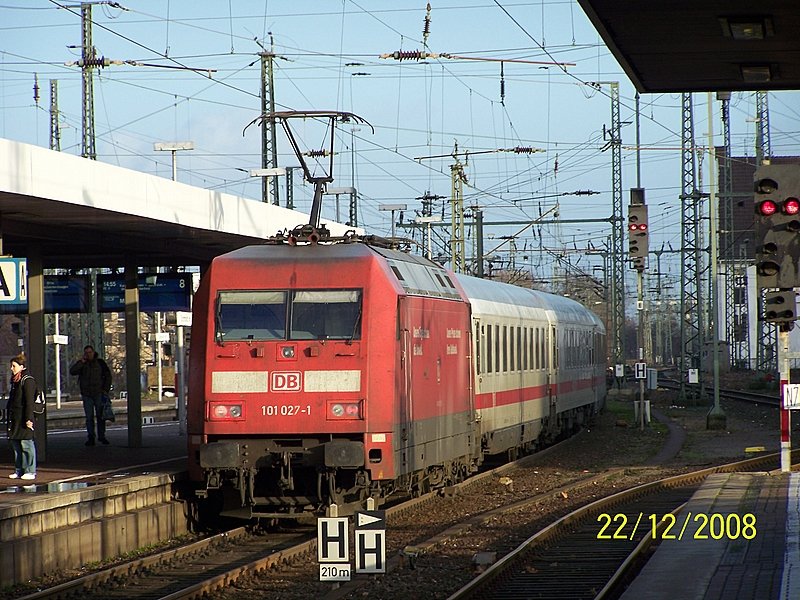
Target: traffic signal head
(780, 307)
(638, 235)
(777, 226)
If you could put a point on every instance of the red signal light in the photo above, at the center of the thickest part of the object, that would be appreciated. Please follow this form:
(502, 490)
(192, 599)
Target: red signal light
(791, 206)
(633, 227)
(767, 208)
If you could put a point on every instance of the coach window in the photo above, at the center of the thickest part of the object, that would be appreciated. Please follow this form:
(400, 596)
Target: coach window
(326, 315)
(519, 348)
(505, 349)
(525, 348)
(545, 358)
(489, 349)
(250, 315)
(571, 362)
(497, 348)
(479, 347)
(512, 352)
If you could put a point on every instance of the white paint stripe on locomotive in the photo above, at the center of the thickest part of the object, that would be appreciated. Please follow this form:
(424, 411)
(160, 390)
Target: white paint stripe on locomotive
(332, 381)
(241, 382)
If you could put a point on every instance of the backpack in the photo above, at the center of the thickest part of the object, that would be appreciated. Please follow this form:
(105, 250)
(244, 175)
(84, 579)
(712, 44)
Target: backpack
(38, 399)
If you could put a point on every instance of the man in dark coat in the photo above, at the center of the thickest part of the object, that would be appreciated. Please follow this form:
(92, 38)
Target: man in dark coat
(21, 420)
(94, 378)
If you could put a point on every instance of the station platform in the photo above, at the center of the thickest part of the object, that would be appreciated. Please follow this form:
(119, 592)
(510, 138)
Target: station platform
(92, 503)
(69, 459)
(755, 518)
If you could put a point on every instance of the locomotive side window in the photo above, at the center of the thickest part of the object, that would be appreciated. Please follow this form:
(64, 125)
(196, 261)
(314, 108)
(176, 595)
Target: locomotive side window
(251, 315)
(326, 314)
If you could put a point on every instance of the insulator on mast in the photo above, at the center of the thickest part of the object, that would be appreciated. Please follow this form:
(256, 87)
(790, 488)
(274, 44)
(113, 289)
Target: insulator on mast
(426, 29)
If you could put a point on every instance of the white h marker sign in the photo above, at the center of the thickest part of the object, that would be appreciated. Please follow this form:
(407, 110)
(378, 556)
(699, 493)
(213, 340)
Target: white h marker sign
(371, 541)
(333, 542)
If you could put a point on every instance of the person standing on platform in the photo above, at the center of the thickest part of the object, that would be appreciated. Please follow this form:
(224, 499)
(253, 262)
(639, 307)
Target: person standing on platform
(21, 420)
(94, 378)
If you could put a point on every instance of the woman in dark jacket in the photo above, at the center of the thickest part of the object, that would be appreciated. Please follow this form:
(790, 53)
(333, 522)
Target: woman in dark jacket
(21, 420)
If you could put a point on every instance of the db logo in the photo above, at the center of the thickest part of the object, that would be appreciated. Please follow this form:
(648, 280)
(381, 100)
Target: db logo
(286, 381)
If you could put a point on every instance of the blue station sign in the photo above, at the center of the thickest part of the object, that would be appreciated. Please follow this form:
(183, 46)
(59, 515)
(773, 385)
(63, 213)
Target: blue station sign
(159, 292)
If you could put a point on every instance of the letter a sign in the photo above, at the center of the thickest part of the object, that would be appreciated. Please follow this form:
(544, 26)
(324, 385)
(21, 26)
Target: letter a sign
(13, 281)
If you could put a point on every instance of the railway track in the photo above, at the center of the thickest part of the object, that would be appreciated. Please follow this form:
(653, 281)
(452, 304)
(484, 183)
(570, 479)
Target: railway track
(240, 559)
(205, 566)
(181, 572)
(563, 560)
(740, 395)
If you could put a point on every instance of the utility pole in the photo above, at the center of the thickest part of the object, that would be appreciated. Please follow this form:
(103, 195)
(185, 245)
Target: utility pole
(736, 289)
(290, 187)
(767, 337)
(614, 143)
(88, 62)
(691, 289)
(353, 220)
(477, 214)
(427, 200)
(663, 349)
(55, 127)
(716, 418)
(457, 180)
(58, 340)
(269, 141)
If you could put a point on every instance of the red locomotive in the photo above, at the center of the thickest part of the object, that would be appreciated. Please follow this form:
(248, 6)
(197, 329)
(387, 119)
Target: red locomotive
(333, 372)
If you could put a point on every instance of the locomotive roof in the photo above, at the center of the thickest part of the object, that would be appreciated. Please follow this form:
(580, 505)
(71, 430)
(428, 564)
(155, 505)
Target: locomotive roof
(417, 275)
(322, 250)
(420, 276)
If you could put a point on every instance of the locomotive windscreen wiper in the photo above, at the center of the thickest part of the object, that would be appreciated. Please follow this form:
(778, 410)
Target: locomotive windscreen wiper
(356, 324)
(218, 333)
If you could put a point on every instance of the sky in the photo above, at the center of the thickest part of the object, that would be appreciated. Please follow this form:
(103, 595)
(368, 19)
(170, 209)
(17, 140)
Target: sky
(520, 74)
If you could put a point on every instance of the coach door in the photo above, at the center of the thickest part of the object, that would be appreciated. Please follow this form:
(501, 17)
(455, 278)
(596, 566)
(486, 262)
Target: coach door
(404, 380)
(552, 376)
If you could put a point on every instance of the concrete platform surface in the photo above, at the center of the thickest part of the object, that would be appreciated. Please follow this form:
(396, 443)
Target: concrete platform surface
(68, 459)
(741, 540)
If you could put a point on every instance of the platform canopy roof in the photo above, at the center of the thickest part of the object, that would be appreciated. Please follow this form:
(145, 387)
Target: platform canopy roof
(702, 45)
(82, 213)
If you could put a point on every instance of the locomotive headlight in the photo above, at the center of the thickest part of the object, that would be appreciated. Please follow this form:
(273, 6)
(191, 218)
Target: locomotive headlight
(221, 412)
(287, 352)
(344, 410)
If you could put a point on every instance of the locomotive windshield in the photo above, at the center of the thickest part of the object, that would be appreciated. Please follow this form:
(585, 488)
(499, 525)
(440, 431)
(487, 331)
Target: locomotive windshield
(320, 315)
(262, 315)
(251, 315)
